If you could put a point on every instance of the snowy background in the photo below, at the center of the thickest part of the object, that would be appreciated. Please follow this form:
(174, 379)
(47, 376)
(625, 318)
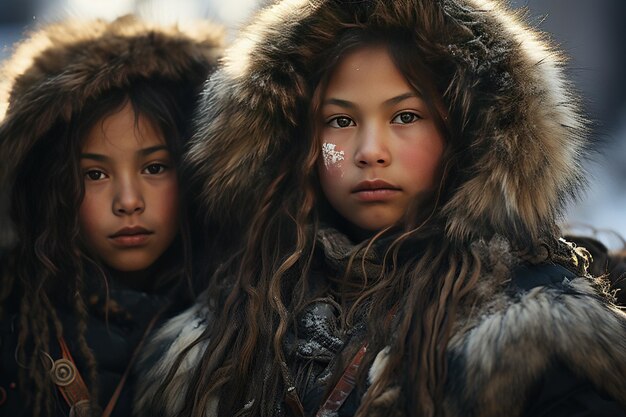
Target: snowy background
(591, 32)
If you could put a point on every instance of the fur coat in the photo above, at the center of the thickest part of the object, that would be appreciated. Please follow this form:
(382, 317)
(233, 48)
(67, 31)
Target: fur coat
(525, 133)
(51, 74)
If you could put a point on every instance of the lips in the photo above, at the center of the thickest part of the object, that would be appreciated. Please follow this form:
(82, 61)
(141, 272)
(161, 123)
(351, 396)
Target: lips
(131, 236)
(374, 185)
(375, 190)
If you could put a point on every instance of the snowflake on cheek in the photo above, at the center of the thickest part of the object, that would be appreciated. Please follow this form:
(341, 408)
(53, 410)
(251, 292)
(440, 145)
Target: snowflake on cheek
(330, 155)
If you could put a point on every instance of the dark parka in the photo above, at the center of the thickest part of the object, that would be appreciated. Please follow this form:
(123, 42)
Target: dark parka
(525, 135)
(52, 74)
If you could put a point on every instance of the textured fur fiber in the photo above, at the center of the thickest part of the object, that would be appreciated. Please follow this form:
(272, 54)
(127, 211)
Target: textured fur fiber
(58, 68)
(525, 129)
(500, 348)
(526, 136)
(177, 334)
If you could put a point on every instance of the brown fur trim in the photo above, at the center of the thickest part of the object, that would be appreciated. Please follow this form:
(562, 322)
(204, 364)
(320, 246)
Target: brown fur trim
(507, 339)
(58, 68)
(519, 115)
(500, 359)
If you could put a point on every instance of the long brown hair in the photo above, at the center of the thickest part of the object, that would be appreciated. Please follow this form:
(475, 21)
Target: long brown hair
(51, 266)
(265, 284)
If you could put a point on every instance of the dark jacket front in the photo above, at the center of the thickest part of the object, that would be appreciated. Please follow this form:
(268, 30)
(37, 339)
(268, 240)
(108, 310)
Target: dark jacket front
(113, 336)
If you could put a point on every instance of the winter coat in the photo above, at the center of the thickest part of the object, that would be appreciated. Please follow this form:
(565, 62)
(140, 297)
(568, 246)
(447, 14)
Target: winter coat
(49, 77)
(546, 343)
(536, 335)
(112, 336)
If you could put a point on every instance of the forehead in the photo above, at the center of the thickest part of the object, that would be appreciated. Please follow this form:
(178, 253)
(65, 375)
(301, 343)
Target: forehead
(368, 69)
(122, 131)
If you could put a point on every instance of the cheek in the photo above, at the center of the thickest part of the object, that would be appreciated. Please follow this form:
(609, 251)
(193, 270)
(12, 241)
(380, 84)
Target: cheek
(92, 221)
(90, 214)
(423, 160)
(330, 182)
(332, 160)
(168, 207)
(421, 163)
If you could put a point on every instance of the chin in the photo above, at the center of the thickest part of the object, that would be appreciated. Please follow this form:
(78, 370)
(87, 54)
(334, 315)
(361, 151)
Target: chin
(131, 265)
(133, 268)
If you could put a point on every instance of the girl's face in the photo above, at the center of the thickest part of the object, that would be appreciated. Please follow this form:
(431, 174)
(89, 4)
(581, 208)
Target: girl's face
(129, 215)
(381, 149)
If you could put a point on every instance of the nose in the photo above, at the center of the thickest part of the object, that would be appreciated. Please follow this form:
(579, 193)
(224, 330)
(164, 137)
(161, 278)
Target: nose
(128, 198)
(372, 149)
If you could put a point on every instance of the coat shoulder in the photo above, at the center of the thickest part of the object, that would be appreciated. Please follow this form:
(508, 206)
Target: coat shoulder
(545, 315)
(162, 353)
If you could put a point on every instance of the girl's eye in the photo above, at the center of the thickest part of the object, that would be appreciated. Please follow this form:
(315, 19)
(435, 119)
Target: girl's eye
(340, 122)
(95, 175)
(405, 118)
(154, 169)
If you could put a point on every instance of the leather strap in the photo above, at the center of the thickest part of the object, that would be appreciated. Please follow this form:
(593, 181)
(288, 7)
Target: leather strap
(346, 383)
(67, 378)
(344, 386)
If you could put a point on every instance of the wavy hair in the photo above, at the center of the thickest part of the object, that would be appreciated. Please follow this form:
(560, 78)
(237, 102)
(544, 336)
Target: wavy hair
(51, 264)
(264, 286)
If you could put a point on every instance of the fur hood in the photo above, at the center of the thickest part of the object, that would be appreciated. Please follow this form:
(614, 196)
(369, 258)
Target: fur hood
(501, 346)
(58, 68)
(506, 88)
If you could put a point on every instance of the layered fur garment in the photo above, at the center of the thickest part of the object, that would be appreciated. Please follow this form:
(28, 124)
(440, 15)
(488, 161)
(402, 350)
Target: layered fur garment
(525, 134)
(503, 344)
(58, 68)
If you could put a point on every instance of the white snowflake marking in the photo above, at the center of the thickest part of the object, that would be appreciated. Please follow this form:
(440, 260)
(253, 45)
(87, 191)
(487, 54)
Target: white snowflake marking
(330, 155)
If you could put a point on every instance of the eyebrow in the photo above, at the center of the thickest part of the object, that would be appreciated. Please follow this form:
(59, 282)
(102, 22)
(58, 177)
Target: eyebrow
(141, 152)
(152, 149)
(341, 103)
(401, 98)
(390, 102)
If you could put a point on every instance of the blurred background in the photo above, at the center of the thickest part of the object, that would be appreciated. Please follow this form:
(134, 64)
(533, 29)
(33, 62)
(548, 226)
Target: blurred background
(590, 32)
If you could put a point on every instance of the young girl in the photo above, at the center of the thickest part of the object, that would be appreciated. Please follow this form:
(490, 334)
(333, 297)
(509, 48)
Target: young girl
(97, 116)
(394, 171)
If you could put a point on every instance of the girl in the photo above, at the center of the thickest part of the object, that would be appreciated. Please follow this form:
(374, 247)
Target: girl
(395, 170)
(97, 115)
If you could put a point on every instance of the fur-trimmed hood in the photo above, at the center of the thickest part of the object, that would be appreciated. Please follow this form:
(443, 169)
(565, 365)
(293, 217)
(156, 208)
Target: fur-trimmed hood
(59, 67)
(523, 128)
